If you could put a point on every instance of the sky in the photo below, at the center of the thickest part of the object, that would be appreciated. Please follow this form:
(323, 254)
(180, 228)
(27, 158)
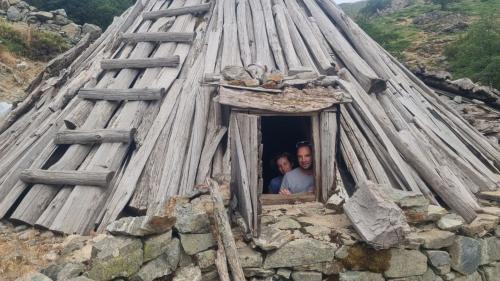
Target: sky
(346, 1)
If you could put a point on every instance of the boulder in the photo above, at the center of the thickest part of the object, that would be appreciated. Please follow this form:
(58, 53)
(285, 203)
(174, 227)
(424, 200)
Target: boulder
(319, 232)
(92, 29)
(156, 245)
(272, 238)
(490, 250)
(206, 259)
(434, 239)
(438, 258)
(34, 277)
(306, 276)
(491, 272)
(70, 270)
(195, 243)
(249, 257)
(400, 261)
(188, 273)
(192, 218)
(60, 12)
(131, 226)
(13, 14)
(61, 20)
(43, 16)
(435, 213)
(115, 257)
(481, 225)
(360, 276)
(465, 254)
(300, 252)
(378, 220)
(335, 202)
(157, 268)
(174, 252)
(71, 30)
(450, 222)
(285, 223)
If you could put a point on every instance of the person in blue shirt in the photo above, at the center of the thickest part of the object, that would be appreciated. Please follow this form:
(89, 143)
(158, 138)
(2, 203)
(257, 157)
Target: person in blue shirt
(283, 162)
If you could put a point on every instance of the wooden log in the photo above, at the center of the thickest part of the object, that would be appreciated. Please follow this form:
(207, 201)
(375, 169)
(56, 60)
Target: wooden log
(284, 35)
(278, 199)
(194, 9)
(329, 128)
(224, 228)
(230, 55)
(101, 179)
(179, 37)
(272, 35)
(121, 94)
(263, 53)
(378, 220)
(208, 153)
(307, 32)
(243, 39)
(94, 136)
(116, 64)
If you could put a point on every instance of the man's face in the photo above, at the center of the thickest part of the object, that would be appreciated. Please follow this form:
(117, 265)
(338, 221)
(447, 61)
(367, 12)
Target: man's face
(284, 166)
(304, 155)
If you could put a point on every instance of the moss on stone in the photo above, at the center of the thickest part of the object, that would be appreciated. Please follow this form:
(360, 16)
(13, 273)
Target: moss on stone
(363, 258)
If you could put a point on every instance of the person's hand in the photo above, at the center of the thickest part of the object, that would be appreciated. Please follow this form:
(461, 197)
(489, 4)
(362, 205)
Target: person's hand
(285, 191)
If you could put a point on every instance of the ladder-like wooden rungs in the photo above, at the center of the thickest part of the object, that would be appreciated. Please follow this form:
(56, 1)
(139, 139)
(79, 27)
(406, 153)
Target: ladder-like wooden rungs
(121, 94)
(195, 9)
(37, 176)
(178, 37)
(94, 136)
(114, 64)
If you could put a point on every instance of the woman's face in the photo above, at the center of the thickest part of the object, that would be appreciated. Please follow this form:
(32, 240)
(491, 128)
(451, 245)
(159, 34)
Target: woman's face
(284, 166)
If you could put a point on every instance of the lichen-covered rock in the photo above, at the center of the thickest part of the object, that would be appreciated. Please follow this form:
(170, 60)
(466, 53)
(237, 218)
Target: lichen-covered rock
(206, 259)
(319, 232)
(399, 261)
(258, 272)
(13, 14)
(471, 277)
(285, 223)
(210, 276)
(306, 276)
(156, 245)
(284, 272)
(272, 238)
(435, 213)
(34, 277)
(188, 273)
(249, 257)
(174, 252)
(195, 243)
(44, 16)
(115, 257)
(192, 218)
(434, 238)
(438, 258)
(91, 29)
(157, 268)
(300, 252)
(71, 30)
(481, 225)
(450, 222)
(491, 272)
(70, 270)
(465, 254)
(131, 226)
(360, 276)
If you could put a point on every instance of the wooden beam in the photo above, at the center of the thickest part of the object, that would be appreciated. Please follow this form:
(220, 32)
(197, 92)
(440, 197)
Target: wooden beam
(179, 37)
(278, 199)
(113, 64)
(38, 176)
(94, 136)
(195, 9)
(121, 94)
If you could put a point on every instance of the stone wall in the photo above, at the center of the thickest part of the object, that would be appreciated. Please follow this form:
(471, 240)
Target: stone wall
(55, 21)
(303, 242)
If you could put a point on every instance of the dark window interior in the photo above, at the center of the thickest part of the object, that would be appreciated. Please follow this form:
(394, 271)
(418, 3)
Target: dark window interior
(280, 134)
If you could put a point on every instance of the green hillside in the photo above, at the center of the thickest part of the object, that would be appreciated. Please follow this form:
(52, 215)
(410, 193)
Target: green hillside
(463, 39)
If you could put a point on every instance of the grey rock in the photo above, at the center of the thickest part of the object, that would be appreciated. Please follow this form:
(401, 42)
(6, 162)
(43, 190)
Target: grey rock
(157, 268)
(318, 232)
(285, 223)
(188, 273)
(306, 276)
(156, 245)
(300, 252)
(80, 278)
(92, 29)
(342, 252)
(14, 2)
(490, 250)
(43, 16)
(61, 20)
(115, 257)
(429, 275)
(434, 238)
(438, 258)
(360, 276)
(34, 277)
(206, 259)
(272, 238)
(47, 234)
(481, 225)
(400, 259)
(471, 277)
(60, 12)
(465, 255)
(52, 270)
(28, 234)
(249, 257)
(258, 272)
(13, 14)
(450, 222)
(210, 276)
(71, 30)
(20, 228)
(192, 218)
(238, 73)
(70, 270)
(131, 226)
(284, 272)
(174, 252)
(195, 243)
(434, 213)
(491, 272)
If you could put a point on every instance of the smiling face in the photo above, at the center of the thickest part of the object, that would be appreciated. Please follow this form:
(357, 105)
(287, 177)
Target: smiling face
(284, 166)
(304, 155)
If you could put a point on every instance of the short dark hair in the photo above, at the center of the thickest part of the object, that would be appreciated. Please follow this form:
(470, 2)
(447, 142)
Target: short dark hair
(274, 161)
(304, 143)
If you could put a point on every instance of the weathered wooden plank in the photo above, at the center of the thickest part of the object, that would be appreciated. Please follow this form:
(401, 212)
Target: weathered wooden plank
(194, 9)
(272, 35)
(121, 94)
(286, 102)
(179, 37)
(278, 199)
(263, 52)
(284, 35)
(117, 64)
(328, 151)
(94, 136)
(67, 177)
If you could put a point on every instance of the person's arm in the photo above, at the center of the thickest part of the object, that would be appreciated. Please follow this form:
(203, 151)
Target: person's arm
(284, 186)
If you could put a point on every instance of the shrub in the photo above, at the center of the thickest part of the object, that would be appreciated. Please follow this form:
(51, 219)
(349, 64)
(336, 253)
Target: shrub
(374, 6)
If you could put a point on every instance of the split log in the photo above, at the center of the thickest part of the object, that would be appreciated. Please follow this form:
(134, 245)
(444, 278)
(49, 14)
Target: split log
(263, 52)
(230, 55)
(116, 64)
(243, 39)
(378, 220)
(94, 136)
(224, 227)
(272, 35)
(121, 94)
(284, 35)
(194, 9)
(179, 37)
(101, 179)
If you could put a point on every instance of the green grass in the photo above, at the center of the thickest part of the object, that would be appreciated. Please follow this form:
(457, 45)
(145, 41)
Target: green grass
(34, 44)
